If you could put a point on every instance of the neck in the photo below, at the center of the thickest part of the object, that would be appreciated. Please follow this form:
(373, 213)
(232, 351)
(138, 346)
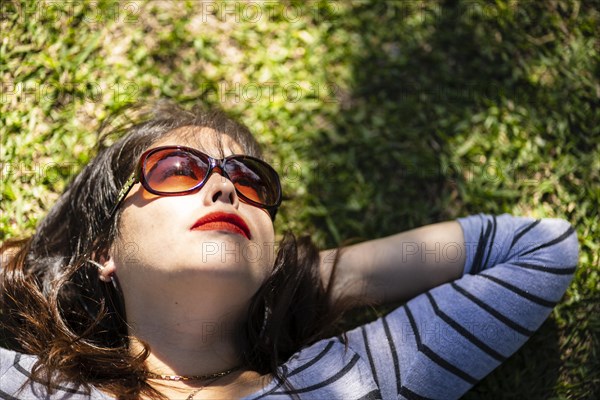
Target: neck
(193, 332)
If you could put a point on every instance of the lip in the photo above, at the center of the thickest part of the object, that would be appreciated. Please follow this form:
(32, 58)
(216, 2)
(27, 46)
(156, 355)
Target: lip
(222, 221)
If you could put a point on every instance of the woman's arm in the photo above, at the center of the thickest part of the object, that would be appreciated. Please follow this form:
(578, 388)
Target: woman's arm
(398, 267)
(442, 342)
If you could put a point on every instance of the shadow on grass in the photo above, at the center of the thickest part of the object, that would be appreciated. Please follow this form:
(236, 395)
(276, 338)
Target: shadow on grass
(418, 74)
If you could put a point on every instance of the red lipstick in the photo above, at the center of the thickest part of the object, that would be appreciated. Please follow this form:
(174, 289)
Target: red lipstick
(221, 221)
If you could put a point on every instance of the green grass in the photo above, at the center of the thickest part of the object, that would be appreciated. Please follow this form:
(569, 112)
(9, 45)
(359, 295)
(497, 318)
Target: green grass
(381, 116)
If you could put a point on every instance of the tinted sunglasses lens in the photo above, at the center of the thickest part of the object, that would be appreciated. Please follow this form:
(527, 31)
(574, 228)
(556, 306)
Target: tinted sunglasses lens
(254, 180)
(174, 170)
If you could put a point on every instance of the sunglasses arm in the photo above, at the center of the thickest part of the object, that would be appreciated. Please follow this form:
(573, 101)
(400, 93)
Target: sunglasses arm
(132, 180)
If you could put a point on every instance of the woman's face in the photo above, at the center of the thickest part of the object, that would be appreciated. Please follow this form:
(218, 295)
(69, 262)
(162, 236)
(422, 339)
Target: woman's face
(160, 249)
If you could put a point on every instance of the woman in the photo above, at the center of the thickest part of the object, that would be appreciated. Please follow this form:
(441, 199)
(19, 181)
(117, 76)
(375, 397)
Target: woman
(155, 276)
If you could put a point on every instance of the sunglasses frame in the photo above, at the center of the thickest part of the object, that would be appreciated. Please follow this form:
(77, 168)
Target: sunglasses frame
(138, 176)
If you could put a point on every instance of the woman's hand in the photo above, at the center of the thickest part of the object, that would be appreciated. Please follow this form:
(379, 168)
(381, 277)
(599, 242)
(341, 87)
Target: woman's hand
(397, 267)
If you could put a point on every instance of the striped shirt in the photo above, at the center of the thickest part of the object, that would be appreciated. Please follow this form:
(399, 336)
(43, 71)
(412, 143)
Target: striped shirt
(435, 346)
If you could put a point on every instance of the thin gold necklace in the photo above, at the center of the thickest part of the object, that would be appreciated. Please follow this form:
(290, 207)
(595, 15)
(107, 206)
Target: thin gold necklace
(165, 377)
(196, 391)
(211, 377)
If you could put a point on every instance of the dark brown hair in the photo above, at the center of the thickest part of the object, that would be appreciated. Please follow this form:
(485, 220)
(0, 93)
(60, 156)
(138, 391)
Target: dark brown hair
(53, 305)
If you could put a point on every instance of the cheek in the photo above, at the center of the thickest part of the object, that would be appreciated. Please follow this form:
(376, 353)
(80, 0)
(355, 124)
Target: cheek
(261, 249)
(268, 251)
(125, 248)
(139, 237)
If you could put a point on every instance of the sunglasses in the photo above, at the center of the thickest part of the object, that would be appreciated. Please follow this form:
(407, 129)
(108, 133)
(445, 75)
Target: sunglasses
(180, 170)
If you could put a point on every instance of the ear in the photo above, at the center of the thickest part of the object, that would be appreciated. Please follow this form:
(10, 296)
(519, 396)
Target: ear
(108, 269)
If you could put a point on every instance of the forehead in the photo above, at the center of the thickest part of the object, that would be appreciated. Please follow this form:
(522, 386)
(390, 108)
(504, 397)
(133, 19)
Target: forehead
(211, 142)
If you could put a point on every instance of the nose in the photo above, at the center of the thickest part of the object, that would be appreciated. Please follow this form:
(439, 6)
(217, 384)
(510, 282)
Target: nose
(219, 188)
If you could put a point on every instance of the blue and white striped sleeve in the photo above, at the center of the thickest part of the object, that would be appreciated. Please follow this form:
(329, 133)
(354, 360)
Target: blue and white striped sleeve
(441, 343)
